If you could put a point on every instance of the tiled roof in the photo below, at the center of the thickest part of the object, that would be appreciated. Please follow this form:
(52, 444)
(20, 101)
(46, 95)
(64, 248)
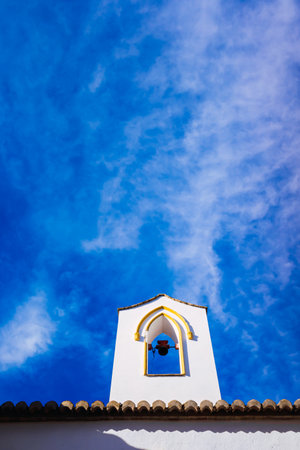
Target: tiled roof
(143, 410)
(157, 296)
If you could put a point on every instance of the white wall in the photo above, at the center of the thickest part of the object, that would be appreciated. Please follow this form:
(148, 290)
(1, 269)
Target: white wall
(152, 435)
(128, 379)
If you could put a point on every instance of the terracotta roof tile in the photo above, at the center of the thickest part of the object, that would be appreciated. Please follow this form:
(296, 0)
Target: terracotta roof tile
(66, 407)
(206, 407)
(238, 406)
(159, 407)
(297, 405)
(269, 406)
(35, 408)
(174, 407)
(253, 406)
(22, 408)
(222, 407)
(159, 410)
(82, 407)
(51, 407)
(285, 406)
(113, 407)
(190, 407)
(7, 408)
(143, 407)
(128, 407)
(97, 407)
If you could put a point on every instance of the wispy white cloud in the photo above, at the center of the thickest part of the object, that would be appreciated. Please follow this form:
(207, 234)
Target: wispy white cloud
(235, 169)
(29, 333)
(116, 233)
(97, 79)
(248, 340)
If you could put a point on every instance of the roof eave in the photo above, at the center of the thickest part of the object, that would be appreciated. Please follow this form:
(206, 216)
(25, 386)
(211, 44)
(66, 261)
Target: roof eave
(157, 296)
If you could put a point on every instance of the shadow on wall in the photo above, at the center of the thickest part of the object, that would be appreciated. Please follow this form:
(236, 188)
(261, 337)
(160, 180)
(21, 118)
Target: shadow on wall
(61, 436)
(163, 434)
(220, 427)
(111, 442)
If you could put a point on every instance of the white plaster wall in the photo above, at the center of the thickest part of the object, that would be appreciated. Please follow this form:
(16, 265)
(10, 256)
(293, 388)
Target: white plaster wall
(152, 435)
(128, 380)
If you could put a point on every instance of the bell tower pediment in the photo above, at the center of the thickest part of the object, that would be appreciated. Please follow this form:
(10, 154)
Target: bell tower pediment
(168, 330)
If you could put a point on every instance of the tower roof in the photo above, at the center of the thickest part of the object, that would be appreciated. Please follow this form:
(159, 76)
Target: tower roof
(157, 296)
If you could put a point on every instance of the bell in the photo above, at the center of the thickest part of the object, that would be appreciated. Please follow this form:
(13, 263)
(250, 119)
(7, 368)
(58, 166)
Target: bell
(162, 347)
(163, 351)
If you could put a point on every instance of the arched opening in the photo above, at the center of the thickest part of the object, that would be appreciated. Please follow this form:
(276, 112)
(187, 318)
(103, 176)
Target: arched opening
(163, 337)
(188, 331)
(163, 356)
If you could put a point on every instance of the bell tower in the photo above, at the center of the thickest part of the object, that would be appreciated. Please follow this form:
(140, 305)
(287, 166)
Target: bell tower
(163, 352)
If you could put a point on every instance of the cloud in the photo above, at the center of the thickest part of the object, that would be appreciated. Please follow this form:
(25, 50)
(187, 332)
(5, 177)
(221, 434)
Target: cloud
(98, 77)
(249, 341)
(116, 234)
(28, 334)
(184, 122)
(233, 169)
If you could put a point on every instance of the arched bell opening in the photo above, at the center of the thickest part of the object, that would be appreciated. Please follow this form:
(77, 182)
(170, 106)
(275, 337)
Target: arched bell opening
(165, 308)
(163, 356)
(163, 340)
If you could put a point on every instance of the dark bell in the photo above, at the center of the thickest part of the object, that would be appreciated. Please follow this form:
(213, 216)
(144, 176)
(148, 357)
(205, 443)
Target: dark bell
(163, 351)
(162, 347)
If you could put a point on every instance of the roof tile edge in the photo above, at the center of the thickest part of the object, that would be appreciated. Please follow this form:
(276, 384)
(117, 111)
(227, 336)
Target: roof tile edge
(221, 410)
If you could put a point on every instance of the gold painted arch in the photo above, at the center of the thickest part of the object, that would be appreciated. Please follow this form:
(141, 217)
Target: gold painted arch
(181, 355)
(188, 330)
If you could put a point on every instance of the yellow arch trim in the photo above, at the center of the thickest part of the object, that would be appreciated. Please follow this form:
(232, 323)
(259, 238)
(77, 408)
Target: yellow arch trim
(188, 331)
(181, 355)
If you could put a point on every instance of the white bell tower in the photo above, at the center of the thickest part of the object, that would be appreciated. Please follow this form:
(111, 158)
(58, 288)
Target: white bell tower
(185, 325)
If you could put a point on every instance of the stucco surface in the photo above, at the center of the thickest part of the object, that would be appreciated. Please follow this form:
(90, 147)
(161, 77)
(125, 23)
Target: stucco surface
(152, 435)
(128, 379)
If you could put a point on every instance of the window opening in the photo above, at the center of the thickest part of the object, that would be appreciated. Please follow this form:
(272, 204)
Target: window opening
(163, 356)
(167, 325)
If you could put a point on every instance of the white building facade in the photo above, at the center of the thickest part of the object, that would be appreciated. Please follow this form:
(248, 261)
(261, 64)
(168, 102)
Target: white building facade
(186, 325)
(152, 435)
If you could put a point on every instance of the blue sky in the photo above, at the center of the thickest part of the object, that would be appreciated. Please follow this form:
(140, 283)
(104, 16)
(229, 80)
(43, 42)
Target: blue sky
(148, 147)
